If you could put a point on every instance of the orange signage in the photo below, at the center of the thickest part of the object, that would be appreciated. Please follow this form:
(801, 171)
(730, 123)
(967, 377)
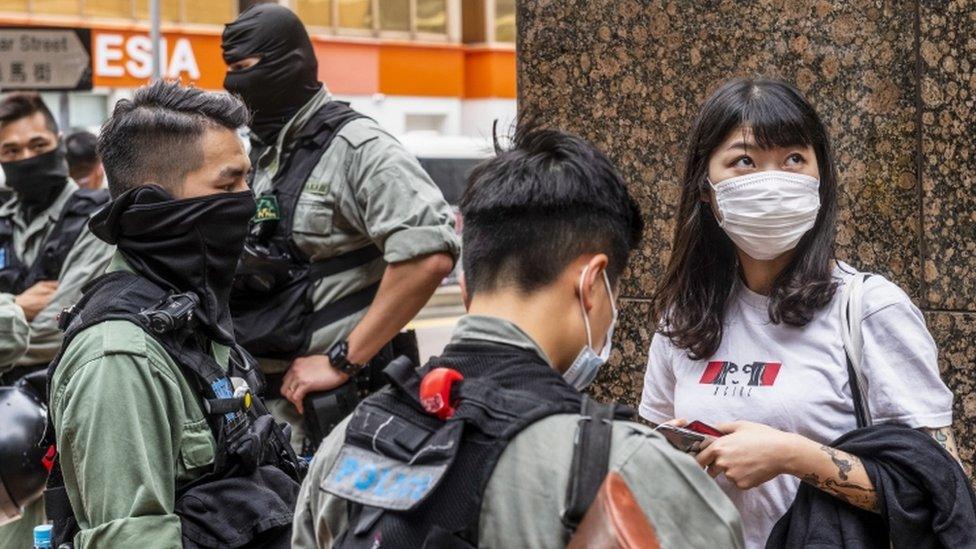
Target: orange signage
(123, 58)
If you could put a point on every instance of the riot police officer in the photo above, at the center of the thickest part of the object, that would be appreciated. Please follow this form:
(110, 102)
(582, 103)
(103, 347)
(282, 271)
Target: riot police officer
(161, 441)
(46, 252)
(350, 238)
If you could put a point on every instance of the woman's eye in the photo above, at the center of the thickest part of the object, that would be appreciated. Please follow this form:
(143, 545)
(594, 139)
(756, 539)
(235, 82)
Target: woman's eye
(743, 162)
(794, 159)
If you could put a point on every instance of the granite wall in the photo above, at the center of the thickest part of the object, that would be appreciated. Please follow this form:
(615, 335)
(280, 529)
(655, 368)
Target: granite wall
(895, 82)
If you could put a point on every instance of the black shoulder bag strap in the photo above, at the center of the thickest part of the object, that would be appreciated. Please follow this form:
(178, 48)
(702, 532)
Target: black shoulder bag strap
(591, 460)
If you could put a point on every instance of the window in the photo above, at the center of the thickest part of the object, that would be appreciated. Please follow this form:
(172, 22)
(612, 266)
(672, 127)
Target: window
(57, 7)
(13, 5)
(169, 10)
(395, 15)
(212, 12)
(108, 8)
(315, 13)
(432, 16)
(209, 12)
(505, 20)
(355, 14)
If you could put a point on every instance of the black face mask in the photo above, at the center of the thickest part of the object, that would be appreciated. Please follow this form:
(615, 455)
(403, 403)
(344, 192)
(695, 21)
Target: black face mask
(284, 79)
(38, 180)
(184, 245)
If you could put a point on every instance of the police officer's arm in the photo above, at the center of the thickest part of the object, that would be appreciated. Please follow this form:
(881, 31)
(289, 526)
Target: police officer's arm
(389, 198)
(406, 216)
(86, 260)
(118, 417)
(14, 331)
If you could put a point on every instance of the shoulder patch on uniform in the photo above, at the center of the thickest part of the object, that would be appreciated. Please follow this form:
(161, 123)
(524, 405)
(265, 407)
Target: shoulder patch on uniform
(360, 131)
(378, 481)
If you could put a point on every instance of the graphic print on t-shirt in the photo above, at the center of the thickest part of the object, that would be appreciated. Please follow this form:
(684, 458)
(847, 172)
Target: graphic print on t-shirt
(730, 379)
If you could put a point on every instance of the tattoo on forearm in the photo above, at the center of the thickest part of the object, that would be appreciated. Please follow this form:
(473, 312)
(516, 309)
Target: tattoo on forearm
(946, 439)
(864, 497)
(843, 465)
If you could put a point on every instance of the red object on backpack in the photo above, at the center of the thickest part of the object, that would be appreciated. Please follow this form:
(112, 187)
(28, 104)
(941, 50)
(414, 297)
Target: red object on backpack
(435, 391)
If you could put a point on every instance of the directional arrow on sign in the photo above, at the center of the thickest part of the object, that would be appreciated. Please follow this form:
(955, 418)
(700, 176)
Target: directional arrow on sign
(34, 58)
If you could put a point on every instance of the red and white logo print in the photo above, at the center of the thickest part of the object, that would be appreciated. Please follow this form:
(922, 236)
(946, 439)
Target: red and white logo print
(730, 379)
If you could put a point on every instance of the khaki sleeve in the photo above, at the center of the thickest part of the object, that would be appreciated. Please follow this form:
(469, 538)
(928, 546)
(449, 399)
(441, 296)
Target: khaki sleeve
(402, 211)
(686, 506)
(320, 516)
(114, 418)
(87, 259)
(14, 331)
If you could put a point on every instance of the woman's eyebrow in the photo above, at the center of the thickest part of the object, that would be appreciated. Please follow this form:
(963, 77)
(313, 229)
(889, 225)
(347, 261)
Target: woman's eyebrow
(740, 145)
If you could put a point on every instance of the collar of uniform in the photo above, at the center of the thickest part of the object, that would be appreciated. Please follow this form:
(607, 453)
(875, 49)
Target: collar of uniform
(498, 330)
(11, 208)
(297, 122)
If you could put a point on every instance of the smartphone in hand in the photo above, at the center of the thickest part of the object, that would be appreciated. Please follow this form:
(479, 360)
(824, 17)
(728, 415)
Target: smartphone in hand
(690, 439)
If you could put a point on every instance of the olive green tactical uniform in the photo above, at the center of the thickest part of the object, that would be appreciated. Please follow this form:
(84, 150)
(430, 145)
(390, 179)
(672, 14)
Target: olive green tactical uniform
(365, 189)
(130, 430)
(86, 260)
(37, 342)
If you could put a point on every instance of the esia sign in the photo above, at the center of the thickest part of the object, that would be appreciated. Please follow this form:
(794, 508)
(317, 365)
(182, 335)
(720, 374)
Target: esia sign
(123, 59)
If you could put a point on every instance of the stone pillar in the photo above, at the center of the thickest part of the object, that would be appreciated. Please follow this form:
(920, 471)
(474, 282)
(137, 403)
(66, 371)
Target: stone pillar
(894, 81)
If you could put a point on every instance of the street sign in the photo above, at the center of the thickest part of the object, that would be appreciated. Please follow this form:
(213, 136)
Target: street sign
(49, 59)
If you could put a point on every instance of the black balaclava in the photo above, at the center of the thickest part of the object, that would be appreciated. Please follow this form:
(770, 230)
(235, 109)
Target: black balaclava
(183, 245)
(38, 180)
(284, 79)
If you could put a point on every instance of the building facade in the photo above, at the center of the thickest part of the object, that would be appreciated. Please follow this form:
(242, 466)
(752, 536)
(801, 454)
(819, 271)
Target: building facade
(437, 73)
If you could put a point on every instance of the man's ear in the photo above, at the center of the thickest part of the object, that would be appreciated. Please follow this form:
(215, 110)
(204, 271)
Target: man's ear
(593, 269)
(463, 283)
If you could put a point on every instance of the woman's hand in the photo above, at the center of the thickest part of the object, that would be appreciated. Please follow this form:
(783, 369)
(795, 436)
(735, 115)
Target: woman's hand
(749, 454)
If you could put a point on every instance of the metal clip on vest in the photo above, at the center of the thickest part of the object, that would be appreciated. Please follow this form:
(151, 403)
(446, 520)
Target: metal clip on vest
(175, 312)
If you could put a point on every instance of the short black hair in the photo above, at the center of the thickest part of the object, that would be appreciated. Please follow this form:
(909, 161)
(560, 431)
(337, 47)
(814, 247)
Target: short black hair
(155, 136)
(531, 210)
(81, 153)
(16, 106)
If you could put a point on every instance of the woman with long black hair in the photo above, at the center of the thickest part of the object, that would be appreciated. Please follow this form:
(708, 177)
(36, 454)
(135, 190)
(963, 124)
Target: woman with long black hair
(750, 333)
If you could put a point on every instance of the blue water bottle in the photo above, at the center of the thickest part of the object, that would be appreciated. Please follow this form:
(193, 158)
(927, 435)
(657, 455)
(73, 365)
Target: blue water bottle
(42, 536)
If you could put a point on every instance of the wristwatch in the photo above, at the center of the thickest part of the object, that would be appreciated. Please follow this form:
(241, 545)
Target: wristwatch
(337, 357)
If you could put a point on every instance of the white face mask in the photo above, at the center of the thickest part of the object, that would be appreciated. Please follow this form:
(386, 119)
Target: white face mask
(588, 362)
(767, 213)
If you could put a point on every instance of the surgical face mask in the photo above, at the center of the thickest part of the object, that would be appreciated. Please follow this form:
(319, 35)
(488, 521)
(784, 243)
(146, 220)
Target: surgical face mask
(767, 213)
(588, 362)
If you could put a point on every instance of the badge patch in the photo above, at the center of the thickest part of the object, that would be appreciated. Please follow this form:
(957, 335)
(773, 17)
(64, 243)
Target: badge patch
(378, 481)
(267, 209)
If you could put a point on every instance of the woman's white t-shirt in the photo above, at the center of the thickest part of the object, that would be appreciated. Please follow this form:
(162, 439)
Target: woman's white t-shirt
(795, 379)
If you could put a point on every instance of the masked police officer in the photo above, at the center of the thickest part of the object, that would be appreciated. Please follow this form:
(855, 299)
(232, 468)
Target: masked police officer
(46, 252)
(351, 237)
(161, 442)
(548, 229)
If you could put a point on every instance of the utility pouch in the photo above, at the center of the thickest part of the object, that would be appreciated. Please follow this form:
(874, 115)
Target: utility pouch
(325, 410)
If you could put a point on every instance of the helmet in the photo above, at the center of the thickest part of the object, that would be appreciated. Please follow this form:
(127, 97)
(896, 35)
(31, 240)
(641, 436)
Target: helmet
(23, 474)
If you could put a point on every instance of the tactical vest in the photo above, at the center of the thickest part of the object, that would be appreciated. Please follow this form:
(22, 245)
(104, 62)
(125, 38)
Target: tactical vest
(274, 316)
(249, 496)
(15, 277)
(413, 480)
